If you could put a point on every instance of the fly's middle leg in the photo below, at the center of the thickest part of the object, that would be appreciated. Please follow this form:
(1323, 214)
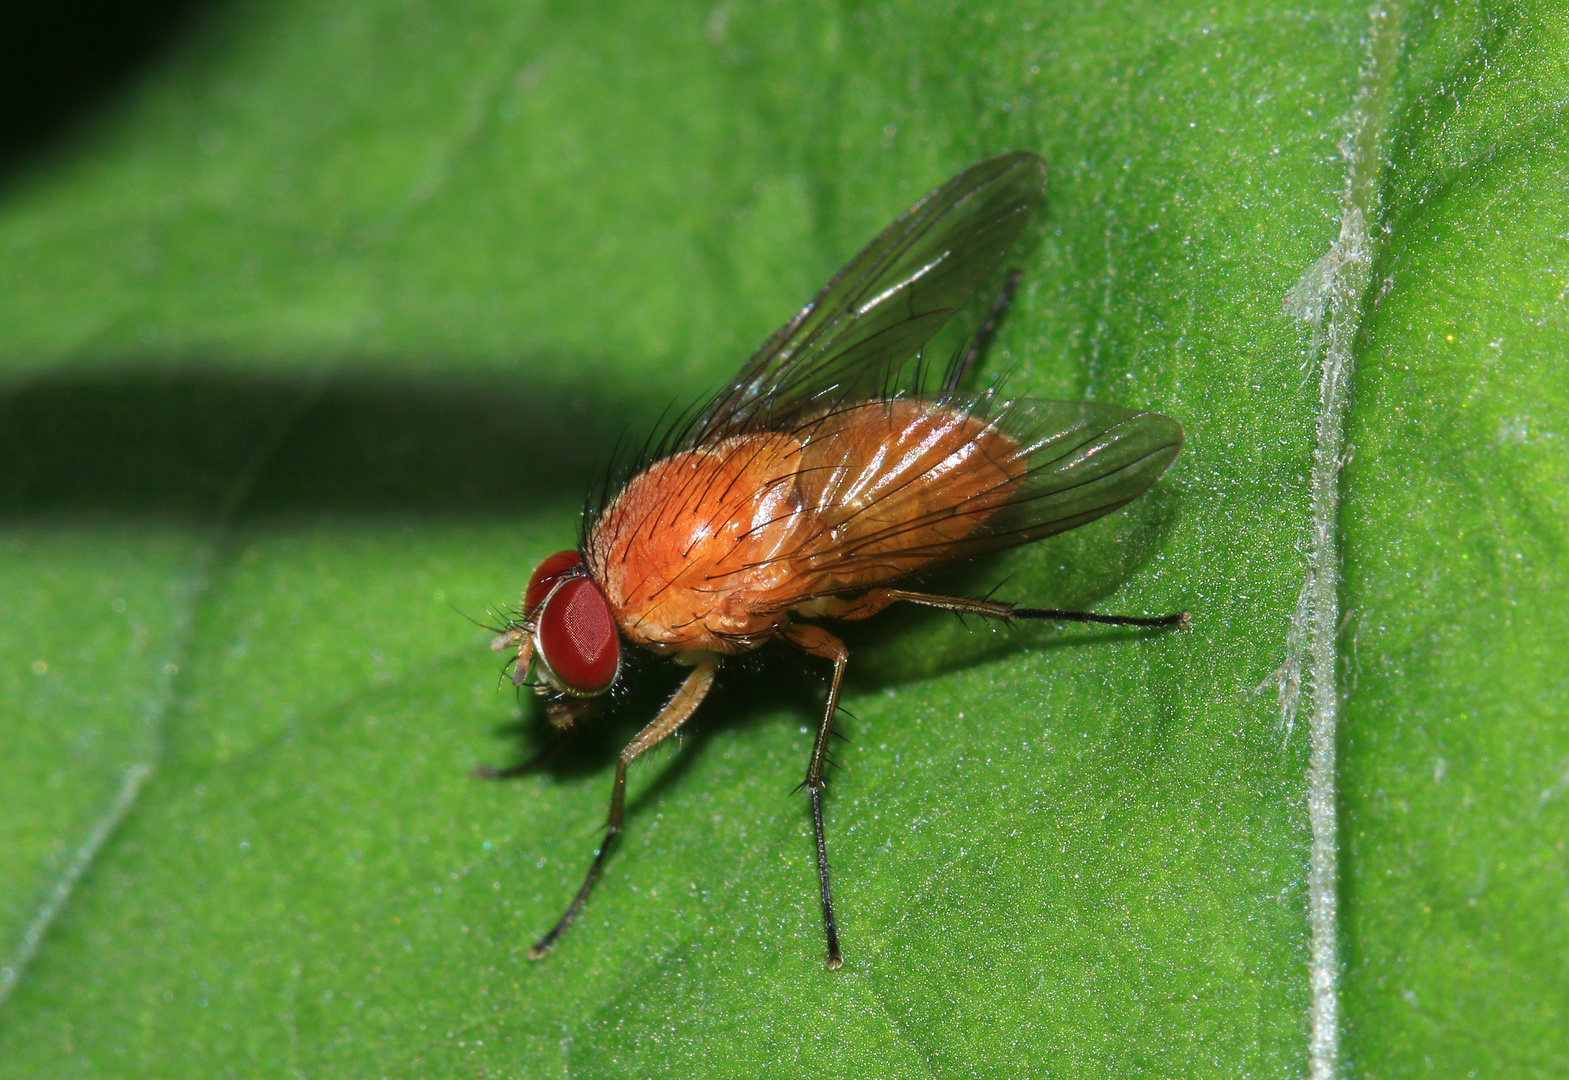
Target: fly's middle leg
(819, 642)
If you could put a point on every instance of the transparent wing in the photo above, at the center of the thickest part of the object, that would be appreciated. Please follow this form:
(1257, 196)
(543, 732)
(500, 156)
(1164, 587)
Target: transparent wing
(866, 324)
(910, 484)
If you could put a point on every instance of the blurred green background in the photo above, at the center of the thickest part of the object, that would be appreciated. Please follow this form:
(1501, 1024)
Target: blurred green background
(319, 318)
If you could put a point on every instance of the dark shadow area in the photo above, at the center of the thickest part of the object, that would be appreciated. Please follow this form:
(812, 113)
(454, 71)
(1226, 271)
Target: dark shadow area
(197, 444)
(60, 62)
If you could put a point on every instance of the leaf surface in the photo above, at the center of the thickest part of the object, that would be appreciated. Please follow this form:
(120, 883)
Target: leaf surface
(321, 326)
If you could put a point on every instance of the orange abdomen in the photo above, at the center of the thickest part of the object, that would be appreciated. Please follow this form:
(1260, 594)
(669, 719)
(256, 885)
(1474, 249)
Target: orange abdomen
(897, 484)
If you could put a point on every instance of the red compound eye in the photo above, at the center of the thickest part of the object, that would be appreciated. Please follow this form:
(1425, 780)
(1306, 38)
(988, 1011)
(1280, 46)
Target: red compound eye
(575, 637)
(550, 571)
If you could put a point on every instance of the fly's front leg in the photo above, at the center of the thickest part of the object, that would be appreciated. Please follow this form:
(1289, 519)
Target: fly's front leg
(819, 642)
(519, 638)
(670, 718)
(538, 761)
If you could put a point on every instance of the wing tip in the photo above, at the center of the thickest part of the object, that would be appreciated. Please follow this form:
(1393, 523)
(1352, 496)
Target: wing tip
(1029, 164)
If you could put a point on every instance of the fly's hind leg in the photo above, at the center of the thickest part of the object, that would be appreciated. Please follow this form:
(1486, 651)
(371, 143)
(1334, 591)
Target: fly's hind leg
(819, 642)
(675, 713)
(872, 601)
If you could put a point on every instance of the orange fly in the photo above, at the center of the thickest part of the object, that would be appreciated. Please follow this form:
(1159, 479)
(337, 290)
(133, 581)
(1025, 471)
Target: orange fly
(821, 479)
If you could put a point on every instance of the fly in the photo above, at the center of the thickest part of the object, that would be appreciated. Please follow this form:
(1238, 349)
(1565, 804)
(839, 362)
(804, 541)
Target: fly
(821, 480)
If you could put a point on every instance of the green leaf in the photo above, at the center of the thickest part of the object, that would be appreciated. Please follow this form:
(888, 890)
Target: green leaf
(321, 327)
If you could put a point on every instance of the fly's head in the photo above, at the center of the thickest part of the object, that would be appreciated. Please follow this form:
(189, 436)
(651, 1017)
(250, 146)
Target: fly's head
(568, 634)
